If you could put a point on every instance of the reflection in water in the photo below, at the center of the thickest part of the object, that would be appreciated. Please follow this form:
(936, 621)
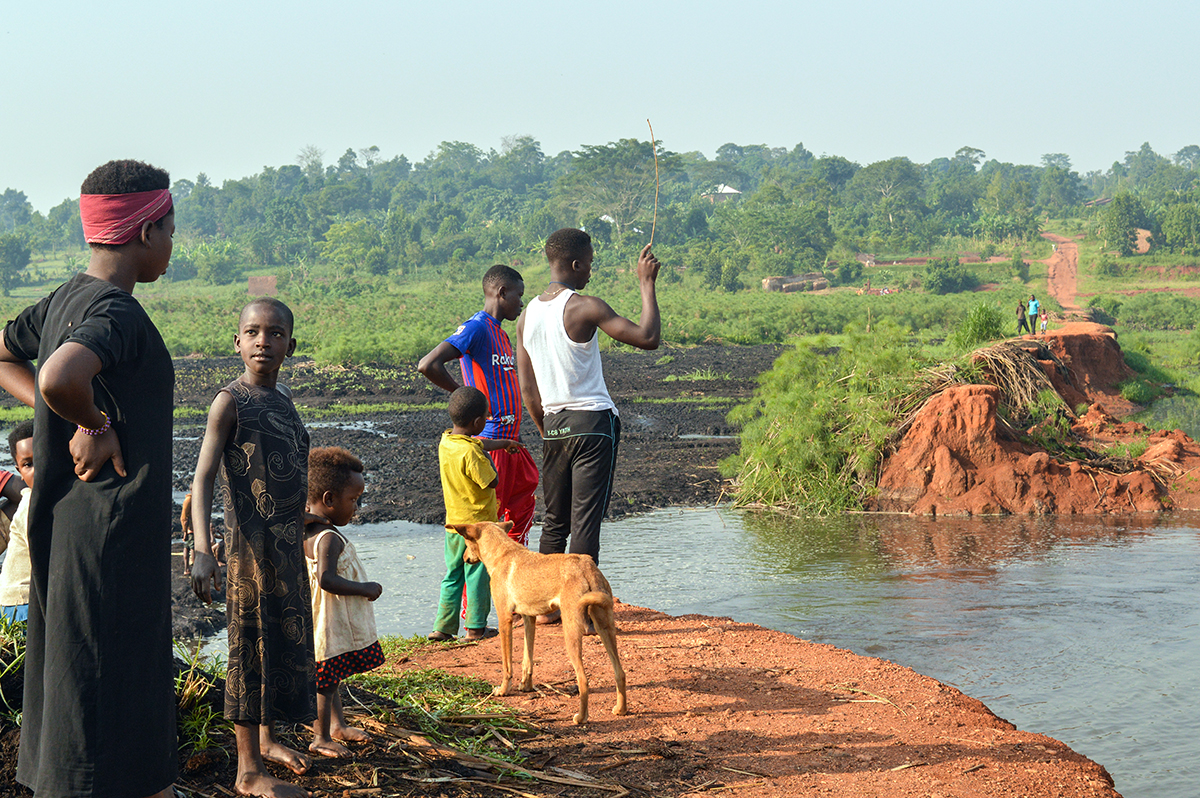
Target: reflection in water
(1085, 629)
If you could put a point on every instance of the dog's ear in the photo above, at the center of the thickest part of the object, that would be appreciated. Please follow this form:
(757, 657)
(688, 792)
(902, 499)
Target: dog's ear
(505, 526)
(461, 529)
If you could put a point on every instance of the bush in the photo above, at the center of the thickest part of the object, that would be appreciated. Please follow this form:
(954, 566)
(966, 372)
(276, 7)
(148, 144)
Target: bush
(1109, 267)
(984, 322)
(1139, 391)
(947, 276)
(1019, 268)
(216, 263)
(812, 434)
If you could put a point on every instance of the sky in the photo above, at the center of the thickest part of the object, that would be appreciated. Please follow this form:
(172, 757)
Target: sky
(226, 88)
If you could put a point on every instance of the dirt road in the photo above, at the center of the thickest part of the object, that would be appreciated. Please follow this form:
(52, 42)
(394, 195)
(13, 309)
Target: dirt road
(1064, 268)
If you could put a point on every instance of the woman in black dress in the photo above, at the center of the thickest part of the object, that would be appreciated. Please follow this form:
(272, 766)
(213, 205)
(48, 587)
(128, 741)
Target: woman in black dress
(99, 710)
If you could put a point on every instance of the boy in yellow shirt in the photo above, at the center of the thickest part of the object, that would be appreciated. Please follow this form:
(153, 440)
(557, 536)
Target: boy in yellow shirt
(469, 491)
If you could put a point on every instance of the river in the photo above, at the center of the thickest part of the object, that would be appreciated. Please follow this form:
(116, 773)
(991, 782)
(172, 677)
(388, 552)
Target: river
(1084, 629)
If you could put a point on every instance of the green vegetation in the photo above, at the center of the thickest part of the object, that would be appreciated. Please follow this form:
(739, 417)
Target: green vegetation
(812, 434)
(815, 430)
(15, 414)
(378, 256)
(340, 410)
(697, 375)
(1126, 449)
(984, 322)
(12, 663)
(948, 276)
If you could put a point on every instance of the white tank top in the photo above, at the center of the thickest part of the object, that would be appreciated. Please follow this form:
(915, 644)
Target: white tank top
(569, 374)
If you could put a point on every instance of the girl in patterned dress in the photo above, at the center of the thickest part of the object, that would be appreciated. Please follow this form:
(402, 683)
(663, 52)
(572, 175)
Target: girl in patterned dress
(256, 440)
(343, 621)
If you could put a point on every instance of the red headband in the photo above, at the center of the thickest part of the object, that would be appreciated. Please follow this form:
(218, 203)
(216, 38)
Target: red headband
(118, 218)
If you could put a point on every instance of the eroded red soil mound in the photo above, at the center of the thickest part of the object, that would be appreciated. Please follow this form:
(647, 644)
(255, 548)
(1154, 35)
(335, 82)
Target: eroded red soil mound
(956, 460)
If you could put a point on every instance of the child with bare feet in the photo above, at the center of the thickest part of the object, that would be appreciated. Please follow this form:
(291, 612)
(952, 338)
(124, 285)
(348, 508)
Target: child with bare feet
(343, 621)
(256, 440)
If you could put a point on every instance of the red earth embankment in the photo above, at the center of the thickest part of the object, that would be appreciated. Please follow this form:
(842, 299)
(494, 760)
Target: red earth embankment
(956, 458)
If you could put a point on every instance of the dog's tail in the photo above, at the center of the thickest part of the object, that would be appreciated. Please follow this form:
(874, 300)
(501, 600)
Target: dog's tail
(596, 598)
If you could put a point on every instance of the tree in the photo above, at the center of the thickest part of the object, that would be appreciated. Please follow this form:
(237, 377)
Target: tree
(1006, 209)
(947, 276)
(310, 160)
(1188, 157)
(15, 210)
(1058, 160)
(617, 180)
(835, 170)
(1059, 190)
(1119, 222)
(216, 262)
(14, 256)
(971, 155)
(1181, 228)
(353, 244)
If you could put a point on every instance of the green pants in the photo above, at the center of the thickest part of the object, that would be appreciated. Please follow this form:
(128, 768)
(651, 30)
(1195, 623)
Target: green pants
(479, 589)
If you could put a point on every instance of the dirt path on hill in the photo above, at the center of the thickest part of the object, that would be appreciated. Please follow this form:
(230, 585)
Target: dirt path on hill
(1064, 270)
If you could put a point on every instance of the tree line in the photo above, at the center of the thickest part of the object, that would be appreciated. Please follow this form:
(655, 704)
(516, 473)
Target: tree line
(793, 212)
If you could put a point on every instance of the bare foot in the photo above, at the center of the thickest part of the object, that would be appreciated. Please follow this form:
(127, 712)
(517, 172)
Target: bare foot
(277, 752)
(350, 734)
(329, 748)
(267, 786)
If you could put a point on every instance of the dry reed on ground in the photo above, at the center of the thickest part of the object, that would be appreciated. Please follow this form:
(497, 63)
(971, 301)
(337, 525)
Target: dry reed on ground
(1009, 366)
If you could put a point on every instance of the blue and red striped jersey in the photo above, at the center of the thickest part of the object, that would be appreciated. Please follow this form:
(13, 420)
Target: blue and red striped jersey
(488, 364)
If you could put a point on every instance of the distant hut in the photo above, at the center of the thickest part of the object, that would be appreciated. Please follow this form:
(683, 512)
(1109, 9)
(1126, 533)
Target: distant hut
(721, 193)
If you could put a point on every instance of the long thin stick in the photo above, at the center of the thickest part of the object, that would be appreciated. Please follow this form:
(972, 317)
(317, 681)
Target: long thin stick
(654, 223)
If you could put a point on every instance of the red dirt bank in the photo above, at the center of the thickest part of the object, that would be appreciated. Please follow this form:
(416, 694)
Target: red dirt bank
(735, 709)
(955, 460)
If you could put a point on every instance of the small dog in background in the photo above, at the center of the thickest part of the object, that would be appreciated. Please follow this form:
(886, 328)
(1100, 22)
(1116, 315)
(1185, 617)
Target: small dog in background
(531, 584)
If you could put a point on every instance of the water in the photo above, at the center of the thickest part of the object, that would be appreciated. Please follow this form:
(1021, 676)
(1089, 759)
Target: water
(1087, 630)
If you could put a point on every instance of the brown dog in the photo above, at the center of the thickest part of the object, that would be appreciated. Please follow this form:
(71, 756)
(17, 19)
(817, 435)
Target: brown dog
(532, 584)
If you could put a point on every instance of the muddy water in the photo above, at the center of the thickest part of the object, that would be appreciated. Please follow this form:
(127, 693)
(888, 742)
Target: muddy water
(1087, 630)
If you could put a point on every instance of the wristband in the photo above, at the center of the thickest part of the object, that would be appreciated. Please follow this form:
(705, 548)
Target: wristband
(97, 432)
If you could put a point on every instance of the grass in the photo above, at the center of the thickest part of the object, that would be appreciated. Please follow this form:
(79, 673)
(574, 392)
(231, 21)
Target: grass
(453, 709)
(697, 375)
(1131, 449)
(338, 410)
(12, 415)
(12, 662)
(705, 402)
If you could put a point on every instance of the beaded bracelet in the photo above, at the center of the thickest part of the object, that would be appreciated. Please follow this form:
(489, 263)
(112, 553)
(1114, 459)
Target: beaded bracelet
(97, 432)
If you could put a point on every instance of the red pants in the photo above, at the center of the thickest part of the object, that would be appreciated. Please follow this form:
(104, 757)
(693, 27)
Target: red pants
(517, 481)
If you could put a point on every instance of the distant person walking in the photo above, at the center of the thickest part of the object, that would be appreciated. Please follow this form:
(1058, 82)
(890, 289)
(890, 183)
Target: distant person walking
(1034, 308)
(1022, 319)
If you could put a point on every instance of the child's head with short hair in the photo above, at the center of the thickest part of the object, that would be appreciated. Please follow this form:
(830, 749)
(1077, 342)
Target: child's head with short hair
(568, 244)
(500, 275)
(335, 483)
(503, 288)
(264, 337)
(20, 446)
(285, 313)
(468, 410)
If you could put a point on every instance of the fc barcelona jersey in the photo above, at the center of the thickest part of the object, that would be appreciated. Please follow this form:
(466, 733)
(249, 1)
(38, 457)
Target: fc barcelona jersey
(489, 365)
